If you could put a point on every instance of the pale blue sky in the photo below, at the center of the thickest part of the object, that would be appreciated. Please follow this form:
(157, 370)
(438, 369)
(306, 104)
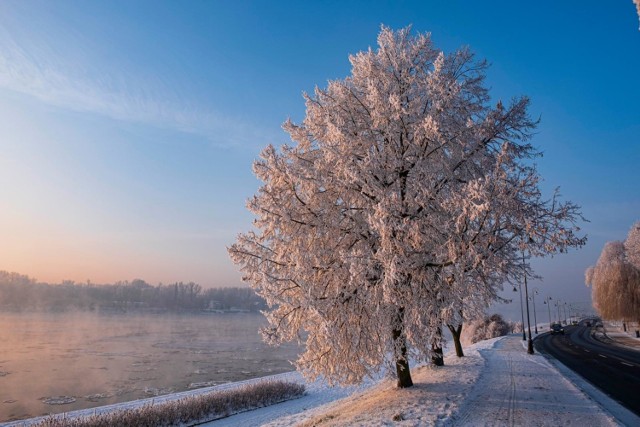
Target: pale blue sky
(129, 127)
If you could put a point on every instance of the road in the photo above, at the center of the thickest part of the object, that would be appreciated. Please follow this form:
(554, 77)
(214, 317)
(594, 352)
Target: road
(614, 369)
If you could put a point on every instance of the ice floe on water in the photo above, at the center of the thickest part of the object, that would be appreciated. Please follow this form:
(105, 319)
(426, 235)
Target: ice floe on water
(97, 396)
(58, 400)
(205, 384)
(153, 391)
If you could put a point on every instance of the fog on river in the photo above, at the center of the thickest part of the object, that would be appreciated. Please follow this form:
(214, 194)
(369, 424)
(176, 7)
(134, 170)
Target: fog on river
(52, 363)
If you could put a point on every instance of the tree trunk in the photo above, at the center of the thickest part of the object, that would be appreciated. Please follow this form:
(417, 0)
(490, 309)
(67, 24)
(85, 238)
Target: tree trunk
(404, 375)
(437, 358)
(402, 362)
(455, 332)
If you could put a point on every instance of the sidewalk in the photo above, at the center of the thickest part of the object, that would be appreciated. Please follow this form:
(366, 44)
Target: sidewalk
(516, 388)
(617, 334)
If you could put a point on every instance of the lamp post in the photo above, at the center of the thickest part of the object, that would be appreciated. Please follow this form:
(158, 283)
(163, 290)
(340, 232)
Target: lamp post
(564, 307)
(535, 317)
(526, 292)
(547, 301)
(524, 337)
(557, 304)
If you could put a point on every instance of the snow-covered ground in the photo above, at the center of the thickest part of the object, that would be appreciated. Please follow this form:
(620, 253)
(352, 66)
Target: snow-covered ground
(497, 383)
(615, 331)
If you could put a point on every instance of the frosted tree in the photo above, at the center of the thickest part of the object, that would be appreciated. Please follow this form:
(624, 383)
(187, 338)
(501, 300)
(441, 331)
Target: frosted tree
(609, 280)
(502, 221)
(615, 279)
(486, 328)
(632, 245)
(402, 205)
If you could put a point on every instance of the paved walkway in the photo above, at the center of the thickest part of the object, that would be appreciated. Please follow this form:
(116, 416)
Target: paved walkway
(616, 333)
(518, 389)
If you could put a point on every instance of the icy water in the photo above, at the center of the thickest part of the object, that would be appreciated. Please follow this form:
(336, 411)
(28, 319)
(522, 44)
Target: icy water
(52, 363)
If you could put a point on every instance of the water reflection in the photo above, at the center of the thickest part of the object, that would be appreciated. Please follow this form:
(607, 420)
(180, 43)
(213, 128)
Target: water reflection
(52, 363)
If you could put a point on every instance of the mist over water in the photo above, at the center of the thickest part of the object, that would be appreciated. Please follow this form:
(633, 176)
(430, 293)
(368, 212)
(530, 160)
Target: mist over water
(53, 363)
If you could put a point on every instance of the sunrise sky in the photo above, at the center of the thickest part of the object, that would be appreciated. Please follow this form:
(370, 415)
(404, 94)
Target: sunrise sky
(128, 128)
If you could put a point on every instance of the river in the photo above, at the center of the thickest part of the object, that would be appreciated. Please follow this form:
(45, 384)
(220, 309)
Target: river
(53, 363)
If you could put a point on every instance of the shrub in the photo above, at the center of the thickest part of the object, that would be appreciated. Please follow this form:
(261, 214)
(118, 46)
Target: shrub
(483, 329)
(189, 410)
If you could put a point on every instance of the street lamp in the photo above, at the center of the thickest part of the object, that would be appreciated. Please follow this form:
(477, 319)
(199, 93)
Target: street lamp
(547, 301)
(564, 307)
(535, 317)
(524, 337)
(526, 292)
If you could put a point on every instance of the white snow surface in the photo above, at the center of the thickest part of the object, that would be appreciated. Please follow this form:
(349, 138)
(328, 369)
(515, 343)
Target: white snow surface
(496, 384)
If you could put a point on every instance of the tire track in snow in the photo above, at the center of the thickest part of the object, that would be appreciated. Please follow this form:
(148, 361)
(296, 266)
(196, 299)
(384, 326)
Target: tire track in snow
(493, 398)
(512, 394)
(518, 389)
(508, 402)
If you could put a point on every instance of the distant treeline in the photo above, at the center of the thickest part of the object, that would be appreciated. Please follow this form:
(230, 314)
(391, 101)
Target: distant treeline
(22, 293)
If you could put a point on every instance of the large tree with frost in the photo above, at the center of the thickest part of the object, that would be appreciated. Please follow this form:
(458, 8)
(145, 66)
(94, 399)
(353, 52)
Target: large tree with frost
(403, 203)
(615, 279)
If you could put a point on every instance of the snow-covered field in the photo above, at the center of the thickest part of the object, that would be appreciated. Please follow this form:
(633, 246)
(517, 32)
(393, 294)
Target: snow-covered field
(497, 383)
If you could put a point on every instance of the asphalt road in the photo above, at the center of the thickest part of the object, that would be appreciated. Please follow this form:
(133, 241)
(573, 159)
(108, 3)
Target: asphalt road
(612, 368)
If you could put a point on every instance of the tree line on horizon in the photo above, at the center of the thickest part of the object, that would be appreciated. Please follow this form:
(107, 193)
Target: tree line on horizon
(19, 292)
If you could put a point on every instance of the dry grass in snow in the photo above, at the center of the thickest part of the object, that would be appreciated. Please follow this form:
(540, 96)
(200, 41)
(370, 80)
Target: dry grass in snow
(190, 410)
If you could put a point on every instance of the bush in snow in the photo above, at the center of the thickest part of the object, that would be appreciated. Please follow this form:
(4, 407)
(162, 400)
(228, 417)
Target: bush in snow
(516, 327)
(189, 410)
(483, 329)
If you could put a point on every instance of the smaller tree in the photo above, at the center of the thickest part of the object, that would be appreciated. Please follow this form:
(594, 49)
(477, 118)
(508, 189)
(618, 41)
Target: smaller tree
(632, 245)
(615, 279)
(492, 326)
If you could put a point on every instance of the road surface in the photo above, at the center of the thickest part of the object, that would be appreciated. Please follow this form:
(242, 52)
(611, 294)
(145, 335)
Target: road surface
(614, 369)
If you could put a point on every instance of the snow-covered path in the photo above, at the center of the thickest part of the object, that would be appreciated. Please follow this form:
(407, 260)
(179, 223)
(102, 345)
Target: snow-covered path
(496, 384)
(518, 389)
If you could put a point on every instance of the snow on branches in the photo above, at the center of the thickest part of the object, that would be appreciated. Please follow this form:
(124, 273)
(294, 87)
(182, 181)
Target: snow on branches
(404, 202)
(615, 279)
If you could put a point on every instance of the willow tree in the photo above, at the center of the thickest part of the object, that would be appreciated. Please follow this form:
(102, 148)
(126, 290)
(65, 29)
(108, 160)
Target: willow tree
(615, 279)
(632, 245)
(404, 197)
